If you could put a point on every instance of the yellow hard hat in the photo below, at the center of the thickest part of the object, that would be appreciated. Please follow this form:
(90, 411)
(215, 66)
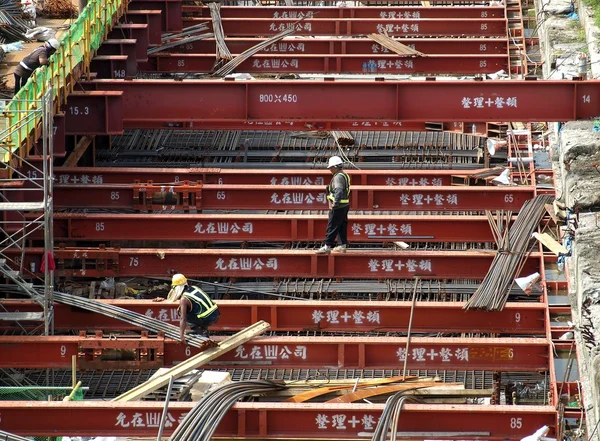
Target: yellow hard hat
(178, 280)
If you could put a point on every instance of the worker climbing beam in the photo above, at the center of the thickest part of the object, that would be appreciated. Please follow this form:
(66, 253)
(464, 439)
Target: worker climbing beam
(338, 64)
(276, 420)
(318, 103)
(411, 27)
(352, 46)
(275, 176)
(389, 12)
(195, 197)
(355, 264)
(324, 316)
(454, 353)
(265, 228)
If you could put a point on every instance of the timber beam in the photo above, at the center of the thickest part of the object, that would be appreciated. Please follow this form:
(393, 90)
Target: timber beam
(264, 228)
(337, 64)
(276, 420)
(385, 105)
(95, 352)
(322, 316)
(358, 264)
(191, 196)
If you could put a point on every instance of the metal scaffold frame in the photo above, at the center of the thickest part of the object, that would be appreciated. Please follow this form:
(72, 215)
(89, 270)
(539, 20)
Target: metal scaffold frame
(29, 217)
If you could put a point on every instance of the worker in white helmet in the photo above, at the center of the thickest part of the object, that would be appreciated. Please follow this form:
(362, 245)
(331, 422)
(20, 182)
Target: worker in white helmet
(196, 308)
(338, 197)
(39, 57)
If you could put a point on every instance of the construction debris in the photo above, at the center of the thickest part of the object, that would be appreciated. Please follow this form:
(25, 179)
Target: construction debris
(395, 46)
(194, 362)
(57, 9)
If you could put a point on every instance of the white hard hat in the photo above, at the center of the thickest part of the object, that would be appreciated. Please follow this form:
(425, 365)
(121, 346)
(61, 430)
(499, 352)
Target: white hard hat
(53, 43)
(335, 161)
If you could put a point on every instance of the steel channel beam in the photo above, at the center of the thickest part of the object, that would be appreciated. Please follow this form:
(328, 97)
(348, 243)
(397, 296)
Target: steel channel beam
(356, 46)
(389, 12)
(422, 27)
(118, 175)
(265, 228)
(318, 102)
(272, 420)
(379, 264)
(287, 197)
(323, 316)
(338, 64)
(498, 354)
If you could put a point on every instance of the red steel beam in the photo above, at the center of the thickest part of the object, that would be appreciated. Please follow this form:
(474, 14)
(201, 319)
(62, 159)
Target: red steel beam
(274, 420)
(422, 27)
(265, 228)
(321, 102)
(186, 196)
(310, 12)
(118, 175)
(384, 264)
(365, 46)
(499, 354)
(337, 64)
(326, 316)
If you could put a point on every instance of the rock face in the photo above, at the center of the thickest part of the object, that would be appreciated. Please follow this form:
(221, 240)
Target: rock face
(579, 162)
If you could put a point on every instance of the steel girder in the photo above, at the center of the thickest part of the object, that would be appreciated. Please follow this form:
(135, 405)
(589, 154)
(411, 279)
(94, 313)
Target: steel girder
(191, 196)
(355, 264)
(323, 316)
(384, 105)
(498, 354)
(275, 420)
(264, 228)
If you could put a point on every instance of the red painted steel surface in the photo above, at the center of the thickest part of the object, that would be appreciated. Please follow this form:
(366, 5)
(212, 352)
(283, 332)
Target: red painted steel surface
(335, 64)
(287, 197)
(119, 175)
(265, 228)
(327, 316)
(94, 113)
(320, 102)
(384, 264)
(325, 46)
(423, 27)
(272, 420)
(499, 354)
(383, 12)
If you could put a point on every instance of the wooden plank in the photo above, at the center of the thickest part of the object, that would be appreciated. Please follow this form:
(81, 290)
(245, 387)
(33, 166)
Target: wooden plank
(78, 151)
(551, 244)
(196, 361)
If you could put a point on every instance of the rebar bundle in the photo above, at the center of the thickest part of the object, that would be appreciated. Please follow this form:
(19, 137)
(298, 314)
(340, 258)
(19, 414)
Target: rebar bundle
(12, 25)
(390, 417)
(493, 292)
(231, 65)
(223, 53)
(343, 138)
(201, 422)
(142, 321)
(57, 9)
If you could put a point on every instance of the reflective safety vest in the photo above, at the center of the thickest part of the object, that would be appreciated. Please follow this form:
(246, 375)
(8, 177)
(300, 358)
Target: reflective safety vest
(199, 298)
(331, 189)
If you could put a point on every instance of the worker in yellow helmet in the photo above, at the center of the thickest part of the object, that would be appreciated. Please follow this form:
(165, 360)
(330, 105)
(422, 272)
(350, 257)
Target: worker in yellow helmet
(196, 308)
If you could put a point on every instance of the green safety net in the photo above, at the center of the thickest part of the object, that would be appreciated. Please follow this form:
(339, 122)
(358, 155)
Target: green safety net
(83, 38)
(39, 393)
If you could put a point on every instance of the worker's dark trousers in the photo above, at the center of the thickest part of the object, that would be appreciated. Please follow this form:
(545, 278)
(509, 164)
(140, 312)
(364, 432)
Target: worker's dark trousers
(19, 82)
(200, 326)
(337, 225)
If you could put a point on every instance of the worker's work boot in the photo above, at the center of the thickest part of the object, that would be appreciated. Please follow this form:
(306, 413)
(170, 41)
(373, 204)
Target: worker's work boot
(340, 249)
(325, 249)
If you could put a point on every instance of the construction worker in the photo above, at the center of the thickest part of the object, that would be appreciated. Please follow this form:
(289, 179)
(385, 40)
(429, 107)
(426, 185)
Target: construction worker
(196, 308)
(39, 57)
(338, 197)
